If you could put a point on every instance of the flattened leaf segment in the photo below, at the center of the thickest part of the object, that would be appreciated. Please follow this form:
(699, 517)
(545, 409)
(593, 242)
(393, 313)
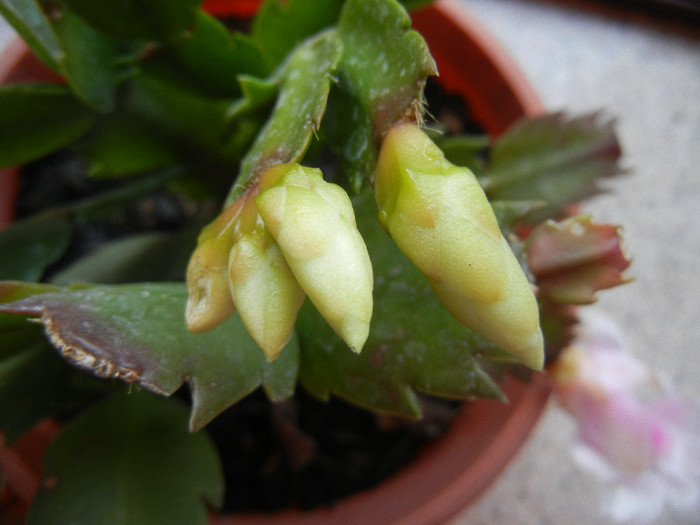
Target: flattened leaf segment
(136, 333)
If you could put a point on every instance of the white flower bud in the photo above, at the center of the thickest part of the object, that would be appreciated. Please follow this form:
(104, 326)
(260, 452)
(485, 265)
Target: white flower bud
(440, 218)
(209, 301)
(313, 223)
(266, 293)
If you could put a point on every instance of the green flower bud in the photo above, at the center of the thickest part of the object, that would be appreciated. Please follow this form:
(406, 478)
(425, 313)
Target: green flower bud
(440, 218)
(209, 301)
(266, 293)
(313, 223)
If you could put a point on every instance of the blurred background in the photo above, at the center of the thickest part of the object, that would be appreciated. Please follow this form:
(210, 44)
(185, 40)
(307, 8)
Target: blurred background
(639, 62)
(641, 66)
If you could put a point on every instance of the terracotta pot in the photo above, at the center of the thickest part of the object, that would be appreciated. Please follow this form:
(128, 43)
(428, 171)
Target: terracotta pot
(452, 472)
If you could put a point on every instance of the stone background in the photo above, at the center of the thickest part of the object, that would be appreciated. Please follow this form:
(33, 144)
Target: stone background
(646, 74)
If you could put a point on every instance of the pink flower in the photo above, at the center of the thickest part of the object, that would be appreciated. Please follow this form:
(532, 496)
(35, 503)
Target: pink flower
(634, 431)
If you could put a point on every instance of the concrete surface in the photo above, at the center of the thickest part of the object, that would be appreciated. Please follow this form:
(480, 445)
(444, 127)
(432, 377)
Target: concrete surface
(648, 77)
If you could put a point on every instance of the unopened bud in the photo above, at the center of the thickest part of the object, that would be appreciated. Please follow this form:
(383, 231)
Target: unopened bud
(313, 223)
(440, 218)
(266, 293)
(209, 300)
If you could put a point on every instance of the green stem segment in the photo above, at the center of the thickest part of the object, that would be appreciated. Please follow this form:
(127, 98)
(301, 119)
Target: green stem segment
(304, 87)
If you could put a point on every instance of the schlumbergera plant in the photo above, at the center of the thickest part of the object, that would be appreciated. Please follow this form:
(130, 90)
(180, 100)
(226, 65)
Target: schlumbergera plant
(333, 235)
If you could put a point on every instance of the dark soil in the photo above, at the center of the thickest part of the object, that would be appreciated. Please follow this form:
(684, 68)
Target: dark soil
(449, 110)
(305, 453)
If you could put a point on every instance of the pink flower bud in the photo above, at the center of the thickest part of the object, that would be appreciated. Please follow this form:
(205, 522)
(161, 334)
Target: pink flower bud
(634, 432)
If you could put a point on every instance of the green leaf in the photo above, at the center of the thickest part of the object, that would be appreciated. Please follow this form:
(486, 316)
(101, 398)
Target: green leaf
(380, 81)
(305, 84)
(17, 335)
(70, 47)
(29, 246)
(194, 124)
(210, 58)
(552, 158)
(116, 200)
(510, 214)
(32, 24)
(258, 94)
(138, 333)
(122, 145)
(129, 460)
(145, 20)
(36, 383)
(15, 290)
(89, 62)
(37, 119)
(464, 150)
(414, 343)
(249, 114)
(280, 26)
(148, 257)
